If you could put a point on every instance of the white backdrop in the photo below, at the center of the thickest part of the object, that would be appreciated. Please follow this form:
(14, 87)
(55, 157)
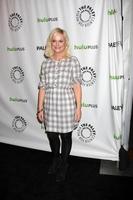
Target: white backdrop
(95, 30)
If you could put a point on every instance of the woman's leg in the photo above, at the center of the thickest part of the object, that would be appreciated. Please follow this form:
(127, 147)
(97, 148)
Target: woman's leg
(66, 140)
(54, 142)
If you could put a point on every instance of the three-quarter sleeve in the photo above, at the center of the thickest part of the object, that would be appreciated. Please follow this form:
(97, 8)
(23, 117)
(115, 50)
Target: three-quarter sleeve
(76, 72)
(42, 76)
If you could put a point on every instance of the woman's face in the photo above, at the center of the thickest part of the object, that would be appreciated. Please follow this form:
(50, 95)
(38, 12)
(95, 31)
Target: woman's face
(58, 43)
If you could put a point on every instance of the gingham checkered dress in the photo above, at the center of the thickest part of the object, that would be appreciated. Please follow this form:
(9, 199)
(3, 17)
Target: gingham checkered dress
(57, 79)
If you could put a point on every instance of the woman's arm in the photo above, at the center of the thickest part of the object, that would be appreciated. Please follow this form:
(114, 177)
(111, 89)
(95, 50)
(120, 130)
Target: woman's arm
(41, 96)
(78, 97)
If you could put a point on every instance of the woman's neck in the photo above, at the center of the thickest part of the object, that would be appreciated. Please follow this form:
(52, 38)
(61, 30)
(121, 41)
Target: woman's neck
(58, 56)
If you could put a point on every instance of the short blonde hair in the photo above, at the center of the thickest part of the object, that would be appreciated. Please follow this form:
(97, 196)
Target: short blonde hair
(48, 51)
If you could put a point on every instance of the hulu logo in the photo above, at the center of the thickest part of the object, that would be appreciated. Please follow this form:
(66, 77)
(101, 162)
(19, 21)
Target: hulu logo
(15, 49)
(117, 136)
(47, 19)
(42, 20)
(112, 12)
(82, 46)
(116, 77)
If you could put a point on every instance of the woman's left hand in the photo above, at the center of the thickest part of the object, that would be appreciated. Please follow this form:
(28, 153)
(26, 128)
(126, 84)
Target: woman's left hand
(78, 115)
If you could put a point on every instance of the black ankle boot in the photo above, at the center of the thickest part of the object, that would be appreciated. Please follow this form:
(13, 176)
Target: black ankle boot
(54, 166)
(61, 172)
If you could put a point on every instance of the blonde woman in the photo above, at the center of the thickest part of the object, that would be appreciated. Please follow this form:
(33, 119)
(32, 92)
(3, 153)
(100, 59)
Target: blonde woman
(59, 99)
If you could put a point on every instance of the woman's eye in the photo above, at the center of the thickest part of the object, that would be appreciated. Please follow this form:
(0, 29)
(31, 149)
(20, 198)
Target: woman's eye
(59, 41)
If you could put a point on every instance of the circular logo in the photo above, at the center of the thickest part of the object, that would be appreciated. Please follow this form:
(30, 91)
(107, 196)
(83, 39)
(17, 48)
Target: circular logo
(85, 15)
(88, 76)
(17, 74)
(19, 124)
(86, 132)
(15, 21)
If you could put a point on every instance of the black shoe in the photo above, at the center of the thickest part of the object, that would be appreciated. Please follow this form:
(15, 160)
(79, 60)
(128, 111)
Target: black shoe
(61, 173)
(55, 166)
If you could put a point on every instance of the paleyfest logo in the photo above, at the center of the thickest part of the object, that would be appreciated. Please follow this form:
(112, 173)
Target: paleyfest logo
(86, 132)
(17, 74)
(15, 21)
(19, 124)
(88, 76)
(85, 15)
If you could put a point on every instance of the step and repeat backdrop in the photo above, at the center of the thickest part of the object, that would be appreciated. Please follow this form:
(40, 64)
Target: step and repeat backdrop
(95, 30)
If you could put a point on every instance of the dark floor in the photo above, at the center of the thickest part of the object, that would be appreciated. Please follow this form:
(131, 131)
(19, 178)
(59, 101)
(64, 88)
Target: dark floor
(23, 176)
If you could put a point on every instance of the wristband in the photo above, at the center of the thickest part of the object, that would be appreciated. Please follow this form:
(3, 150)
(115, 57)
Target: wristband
(40, 111)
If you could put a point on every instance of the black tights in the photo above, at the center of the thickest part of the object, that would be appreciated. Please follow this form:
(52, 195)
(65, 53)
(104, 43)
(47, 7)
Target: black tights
(66, 144)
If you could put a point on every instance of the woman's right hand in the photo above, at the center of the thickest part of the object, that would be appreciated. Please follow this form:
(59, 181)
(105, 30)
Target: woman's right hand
(40, 116)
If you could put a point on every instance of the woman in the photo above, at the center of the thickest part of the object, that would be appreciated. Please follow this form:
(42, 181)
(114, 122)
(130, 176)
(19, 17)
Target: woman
(59, 99)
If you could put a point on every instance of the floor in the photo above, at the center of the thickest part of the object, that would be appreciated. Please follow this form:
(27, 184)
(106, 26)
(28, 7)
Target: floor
(23, 176)
(112, 168)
